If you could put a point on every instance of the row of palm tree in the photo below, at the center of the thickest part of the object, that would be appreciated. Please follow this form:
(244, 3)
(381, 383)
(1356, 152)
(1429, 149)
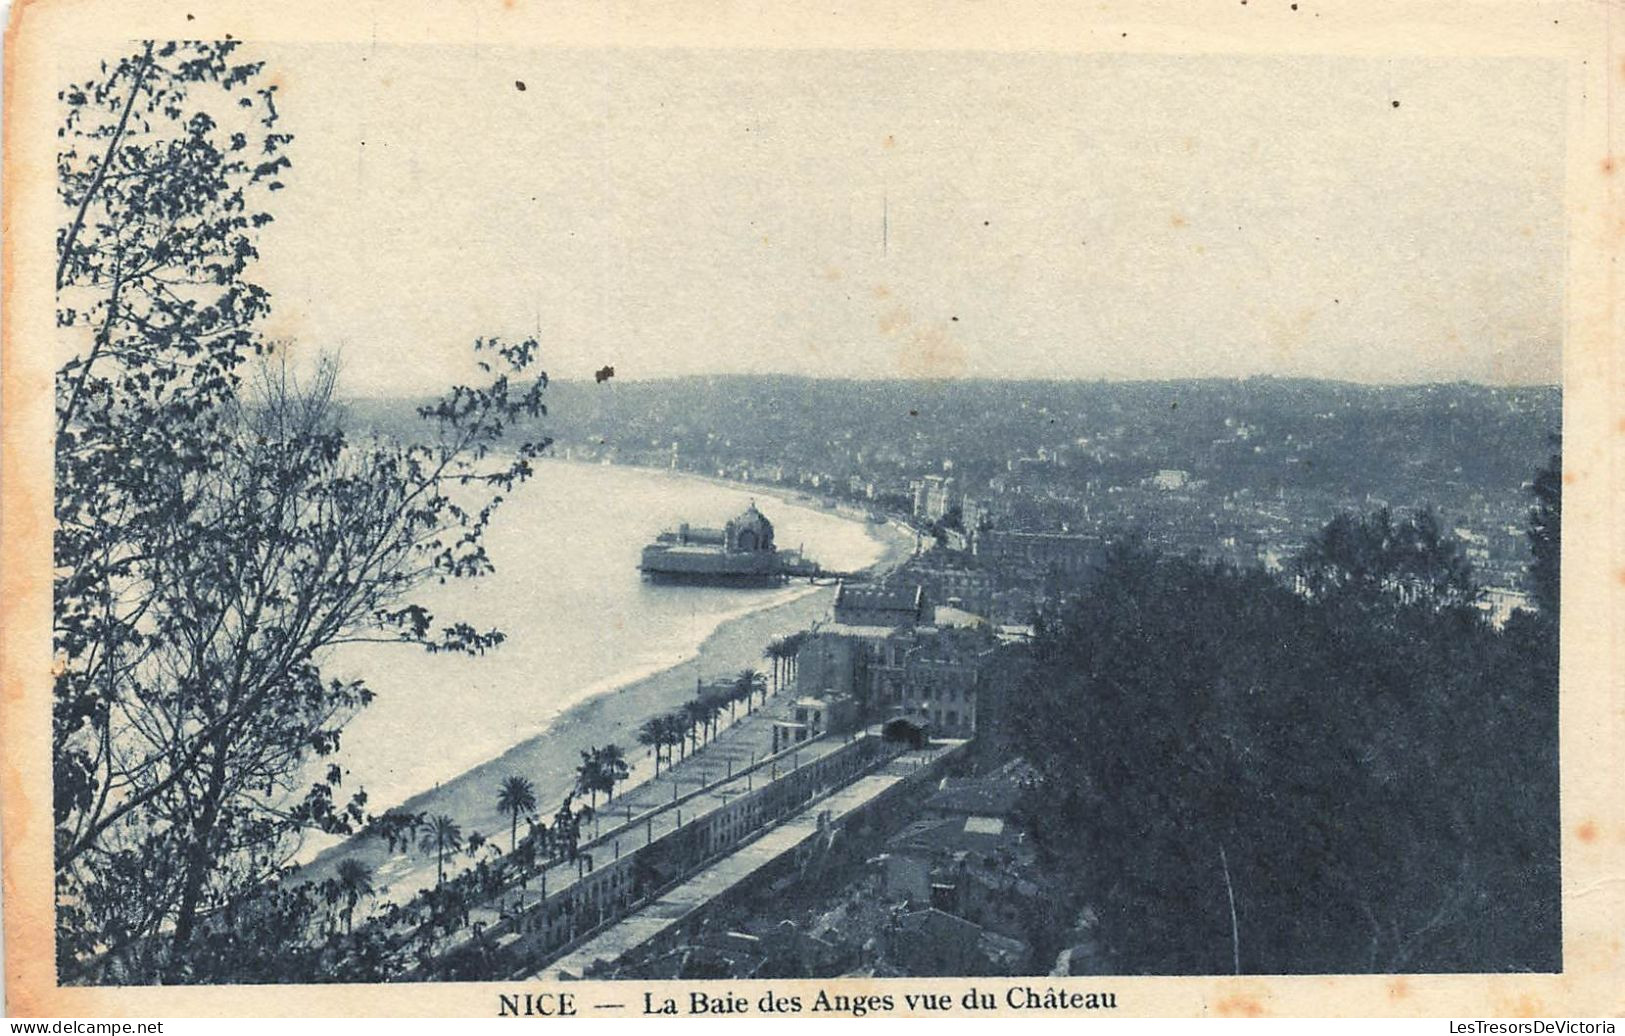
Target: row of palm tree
(684, 727)
(352, 884)
(443, 836)
(782, 652)
(438, 834)
(603, 768)
(660, 733)
(600, 770)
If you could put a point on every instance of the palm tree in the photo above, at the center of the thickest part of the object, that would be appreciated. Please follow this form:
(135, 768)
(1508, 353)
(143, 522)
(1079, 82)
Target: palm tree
(792, 649)
(355, 881)
(653, 734)
(330, 893)
(566, 830)
(515, 796)
(694, 715)
(589, 778)
(751, 682)
(709, 711)
(539, 842)
(523, 859)
(774, 652)
(442, 835)
(677, 734)
(613, 767)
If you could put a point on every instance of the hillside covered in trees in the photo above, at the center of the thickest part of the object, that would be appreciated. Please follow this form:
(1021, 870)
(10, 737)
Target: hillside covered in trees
(1404, 441)
(1356, 775)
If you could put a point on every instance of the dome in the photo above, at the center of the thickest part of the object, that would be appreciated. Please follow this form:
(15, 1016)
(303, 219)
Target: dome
(751, 531)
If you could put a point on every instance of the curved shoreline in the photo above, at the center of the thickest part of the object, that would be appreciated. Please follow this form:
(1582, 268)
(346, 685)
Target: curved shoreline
(610, 715)
(794, 498)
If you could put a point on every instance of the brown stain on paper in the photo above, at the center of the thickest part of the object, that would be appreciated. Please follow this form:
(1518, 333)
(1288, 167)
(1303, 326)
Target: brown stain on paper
(923, 350)
(1239, 1006)
(893, 320)
(1525, 1005)
(1287, 334)
(25, 586)
(1587, 832)
(931, 353)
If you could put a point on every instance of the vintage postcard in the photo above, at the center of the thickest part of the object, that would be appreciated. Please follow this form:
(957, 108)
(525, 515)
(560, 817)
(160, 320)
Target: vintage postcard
(940, 509)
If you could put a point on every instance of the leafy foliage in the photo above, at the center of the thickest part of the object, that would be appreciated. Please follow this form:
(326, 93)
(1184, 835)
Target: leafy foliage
(1546, 533)
(1366, 559)
(217, 529)
(516, 795)
(1372, 775)
(442, 836)
(600, 770)
(750, 683)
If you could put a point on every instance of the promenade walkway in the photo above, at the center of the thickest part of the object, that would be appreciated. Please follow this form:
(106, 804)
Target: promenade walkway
(671, 909)
(740, 741)
(644, 814)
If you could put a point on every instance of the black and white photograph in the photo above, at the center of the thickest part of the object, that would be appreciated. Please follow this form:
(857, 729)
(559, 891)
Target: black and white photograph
(794, 520)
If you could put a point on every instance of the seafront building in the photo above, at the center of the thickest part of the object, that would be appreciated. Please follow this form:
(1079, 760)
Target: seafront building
(741, 553)
(936, 677)
(1032, 555)
(949, 578)
(930, 675)
(888, 606)
(934, 497)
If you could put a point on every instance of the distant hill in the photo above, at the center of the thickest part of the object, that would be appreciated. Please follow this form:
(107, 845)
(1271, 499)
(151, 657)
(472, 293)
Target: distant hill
(1259, 432)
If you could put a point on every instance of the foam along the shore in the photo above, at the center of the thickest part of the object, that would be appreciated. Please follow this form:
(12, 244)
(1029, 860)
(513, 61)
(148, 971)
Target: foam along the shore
(609, 713)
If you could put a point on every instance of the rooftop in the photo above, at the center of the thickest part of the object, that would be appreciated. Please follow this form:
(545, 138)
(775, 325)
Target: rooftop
(952, 835)
(848, 629)
(976, 795)
(879, 598)
(945, 615)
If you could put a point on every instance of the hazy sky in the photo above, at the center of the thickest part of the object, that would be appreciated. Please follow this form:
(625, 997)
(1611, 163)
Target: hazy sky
(884, 214)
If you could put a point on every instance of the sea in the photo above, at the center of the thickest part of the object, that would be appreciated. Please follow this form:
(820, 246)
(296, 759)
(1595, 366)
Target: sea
(580, 620)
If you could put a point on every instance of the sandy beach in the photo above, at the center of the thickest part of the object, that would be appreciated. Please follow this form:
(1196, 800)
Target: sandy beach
(549, 759)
